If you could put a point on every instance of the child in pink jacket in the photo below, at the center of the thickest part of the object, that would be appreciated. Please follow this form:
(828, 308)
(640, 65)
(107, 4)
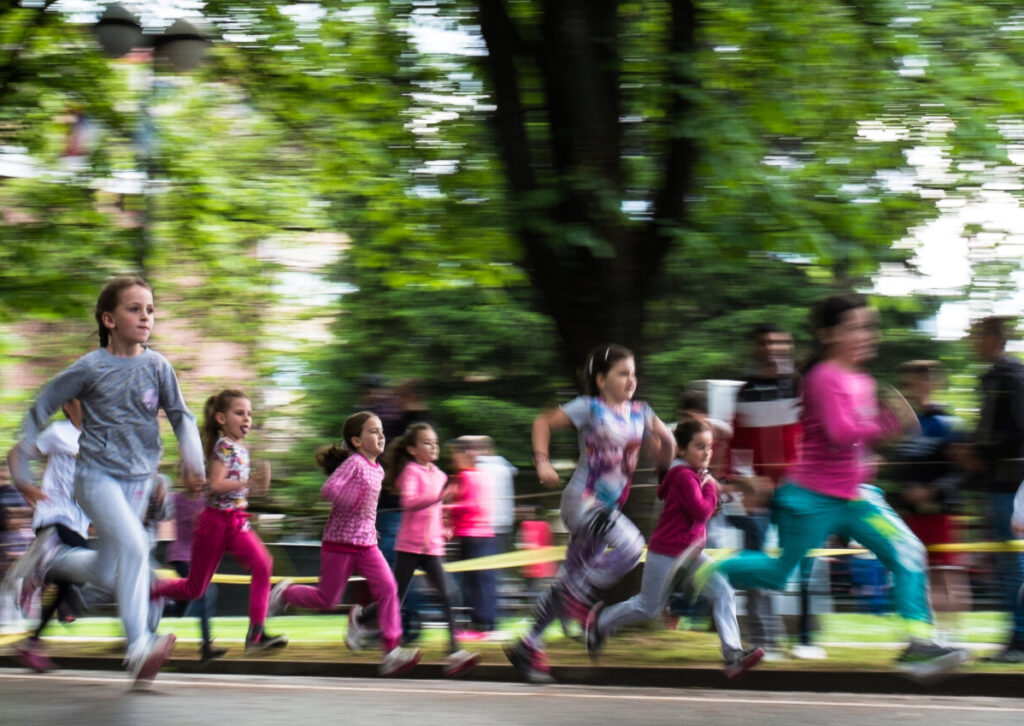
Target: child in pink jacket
(470, 513)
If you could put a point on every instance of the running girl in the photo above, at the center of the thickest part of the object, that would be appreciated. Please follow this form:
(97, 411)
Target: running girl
(422, 491)
(350, 538)
(603, 544)
(690, 494)
(223, 525)
(825, 493)
(121, 387)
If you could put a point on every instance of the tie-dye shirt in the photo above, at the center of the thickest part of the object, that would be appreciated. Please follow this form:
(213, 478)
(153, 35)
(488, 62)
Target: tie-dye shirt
(235, 459)
(609, 448)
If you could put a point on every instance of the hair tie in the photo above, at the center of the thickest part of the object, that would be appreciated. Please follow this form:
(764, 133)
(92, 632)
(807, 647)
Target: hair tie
(606, 352)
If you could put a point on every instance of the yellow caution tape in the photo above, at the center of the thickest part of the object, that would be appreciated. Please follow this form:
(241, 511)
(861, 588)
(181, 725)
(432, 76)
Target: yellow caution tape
(542, 555)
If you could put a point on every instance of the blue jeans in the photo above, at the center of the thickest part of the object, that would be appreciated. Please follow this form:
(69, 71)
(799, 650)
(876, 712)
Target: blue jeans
(1009, 566)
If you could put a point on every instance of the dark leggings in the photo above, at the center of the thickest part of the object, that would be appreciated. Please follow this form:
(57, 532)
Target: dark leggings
(72, 539)
(406, 564)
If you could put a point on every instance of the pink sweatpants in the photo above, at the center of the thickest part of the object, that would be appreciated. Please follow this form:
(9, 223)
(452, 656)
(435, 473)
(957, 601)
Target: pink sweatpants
(337, 564)
(219, 531)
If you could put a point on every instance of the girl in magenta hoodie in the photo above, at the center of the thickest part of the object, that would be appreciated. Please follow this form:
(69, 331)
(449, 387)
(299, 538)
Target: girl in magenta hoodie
(690, 494)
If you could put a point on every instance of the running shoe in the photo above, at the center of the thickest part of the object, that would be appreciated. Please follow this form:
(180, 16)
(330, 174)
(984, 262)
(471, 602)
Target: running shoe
(742, 661)
(459, 663)
(35, 563)
(398, 661)
(146, 667)
(32, 657)
(355, 633)
(808, 652)
(277, 601)
(258, 640)
(927, 660)
(592, 637)
(208, 652)
(530, 662)
(1010, 654)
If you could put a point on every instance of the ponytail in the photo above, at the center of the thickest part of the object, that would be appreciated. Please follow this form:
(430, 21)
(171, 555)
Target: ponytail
(331, 456)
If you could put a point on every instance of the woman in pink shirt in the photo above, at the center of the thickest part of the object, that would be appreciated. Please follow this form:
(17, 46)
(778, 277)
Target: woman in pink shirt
(422, 489)
(826, 491)
(350, 539)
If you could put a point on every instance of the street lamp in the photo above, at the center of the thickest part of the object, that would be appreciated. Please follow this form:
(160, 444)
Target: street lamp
(118, 32)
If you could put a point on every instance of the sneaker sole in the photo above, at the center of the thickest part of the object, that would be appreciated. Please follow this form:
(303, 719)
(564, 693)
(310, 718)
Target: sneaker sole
(525, 673)
(462, 668)
(402, 669)
(742, 667)
(932, 670)
(155, 661)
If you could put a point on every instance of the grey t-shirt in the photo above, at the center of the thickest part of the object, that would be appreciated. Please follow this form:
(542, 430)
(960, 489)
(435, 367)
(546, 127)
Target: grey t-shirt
(120, 399)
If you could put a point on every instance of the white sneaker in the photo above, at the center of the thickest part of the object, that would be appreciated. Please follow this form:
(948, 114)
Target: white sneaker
(354, 634)
(460, 662)
(277, 602)
(399, 660)
(808, 652)
(145, 668)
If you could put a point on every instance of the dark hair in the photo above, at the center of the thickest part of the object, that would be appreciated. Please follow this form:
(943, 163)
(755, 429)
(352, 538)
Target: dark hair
(693, 399)
(601, 360)
(764, 329)
(396, 455)
(828, 313)
(109, 297)
(331, 456)
(218, 403)
(998, 326)
(687, 429)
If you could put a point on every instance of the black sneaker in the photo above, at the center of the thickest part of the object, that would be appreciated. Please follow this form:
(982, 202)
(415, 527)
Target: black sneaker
(257, 640)
(530, 663)
(925, 660)
(592, 637)
(1010, 654)
(207, 652)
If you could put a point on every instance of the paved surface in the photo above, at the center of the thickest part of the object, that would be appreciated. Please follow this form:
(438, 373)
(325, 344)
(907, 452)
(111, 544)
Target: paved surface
(86, 698)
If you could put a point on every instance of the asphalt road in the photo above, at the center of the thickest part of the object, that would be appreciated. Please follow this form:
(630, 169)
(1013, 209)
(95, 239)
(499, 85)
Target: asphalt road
(80, 698)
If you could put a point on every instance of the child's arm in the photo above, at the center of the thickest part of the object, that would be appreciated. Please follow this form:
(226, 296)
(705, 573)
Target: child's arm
(184, 424)
(65, 385)
(695, 498)
(259, 482)
(663, 443)
(28, 489)
(218, 481)
(413, 493)
(543, 425)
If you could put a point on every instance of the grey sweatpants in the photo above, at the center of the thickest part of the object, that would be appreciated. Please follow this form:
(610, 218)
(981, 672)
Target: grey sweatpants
(655, 586)
(120, 562)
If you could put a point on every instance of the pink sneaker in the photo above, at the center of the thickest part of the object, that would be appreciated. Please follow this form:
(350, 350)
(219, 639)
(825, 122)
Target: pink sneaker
(470, 636)
(34, 659)
(151, 663)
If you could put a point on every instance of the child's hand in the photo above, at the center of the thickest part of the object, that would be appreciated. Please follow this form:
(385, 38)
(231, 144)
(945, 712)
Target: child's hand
(449, 492)
(547, 474)
(32, 494)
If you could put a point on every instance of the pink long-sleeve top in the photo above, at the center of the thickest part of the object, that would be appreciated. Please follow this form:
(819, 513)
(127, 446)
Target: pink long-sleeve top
(471, 509)
(841, 421)
(353, 490)
(690, 500)
(419, 488)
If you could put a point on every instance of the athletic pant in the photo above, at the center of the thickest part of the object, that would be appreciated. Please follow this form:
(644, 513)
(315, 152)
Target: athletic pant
(337, 564)
(219, 531)
(120, 562)
(805, 518)
(406, 564)
(655, 588)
